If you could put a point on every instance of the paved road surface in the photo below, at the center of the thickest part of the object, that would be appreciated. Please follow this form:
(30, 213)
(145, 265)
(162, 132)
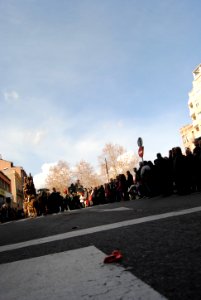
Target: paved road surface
(61, 256)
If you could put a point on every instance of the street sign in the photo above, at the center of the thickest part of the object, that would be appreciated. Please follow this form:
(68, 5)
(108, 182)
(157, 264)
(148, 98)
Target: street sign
(140, 142)
(141, 151)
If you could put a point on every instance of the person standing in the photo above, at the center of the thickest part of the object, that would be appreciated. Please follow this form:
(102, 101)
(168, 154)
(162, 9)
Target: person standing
(129, 179)
(54, 202)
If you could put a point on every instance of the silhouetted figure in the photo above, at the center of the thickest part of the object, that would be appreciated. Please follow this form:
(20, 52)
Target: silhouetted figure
(54, 201)
(191, 170)
(145, 175)
(129, 179)
(164, 175)
(197, 155)
(180, 168)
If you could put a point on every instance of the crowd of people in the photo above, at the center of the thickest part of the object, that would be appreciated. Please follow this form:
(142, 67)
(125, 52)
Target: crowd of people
(74, 197)
(9, 213)
(178, 173)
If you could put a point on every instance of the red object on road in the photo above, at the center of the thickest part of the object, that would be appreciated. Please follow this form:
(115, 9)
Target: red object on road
(114, 257)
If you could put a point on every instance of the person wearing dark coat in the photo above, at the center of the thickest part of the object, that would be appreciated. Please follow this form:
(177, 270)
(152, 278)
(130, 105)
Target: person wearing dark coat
(54, 202)
(197, 155)
(129, 179)
(180, 169)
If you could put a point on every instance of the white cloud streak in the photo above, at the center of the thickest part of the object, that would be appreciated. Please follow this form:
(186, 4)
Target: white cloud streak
(11, 96)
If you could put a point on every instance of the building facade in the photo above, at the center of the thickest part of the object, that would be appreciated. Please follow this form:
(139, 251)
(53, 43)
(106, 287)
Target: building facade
(5, 189)
(16, 175)
(192, 132)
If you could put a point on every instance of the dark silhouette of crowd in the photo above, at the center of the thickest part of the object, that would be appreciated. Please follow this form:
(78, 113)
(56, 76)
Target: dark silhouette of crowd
(176, 173)
(9, 213)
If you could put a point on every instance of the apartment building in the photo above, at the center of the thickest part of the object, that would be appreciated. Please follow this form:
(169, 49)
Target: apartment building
(192, 132)
(5, 188)
(16, 175)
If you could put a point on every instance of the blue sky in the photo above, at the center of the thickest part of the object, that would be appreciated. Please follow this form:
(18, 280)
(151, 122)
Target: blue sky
(77, 74)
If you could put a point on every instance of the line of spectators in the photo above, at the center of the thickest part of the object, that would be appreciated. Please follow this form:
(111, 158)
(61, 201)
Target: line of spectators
(178, 173)
(9, 213)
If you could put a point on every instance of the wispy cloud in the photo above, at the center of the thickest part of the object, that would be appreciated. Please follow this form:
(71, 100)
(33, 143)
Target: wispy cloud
(34, 137)
(11, 97)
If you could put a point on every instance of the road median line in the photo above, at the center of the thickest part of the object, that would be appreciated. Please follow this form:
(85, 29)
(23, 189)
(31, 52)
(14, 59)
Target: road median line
(95, 229)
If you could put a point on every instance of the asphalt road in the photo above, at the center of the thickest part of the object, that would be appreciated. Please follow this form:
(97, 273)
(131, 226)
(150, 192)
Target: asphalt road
(160, 239)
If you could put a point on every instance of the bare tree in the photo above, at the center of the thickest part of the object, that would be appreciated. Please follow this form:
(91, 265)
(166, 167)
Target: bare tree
(115, 160)
(127, 162)
(86, 174)
(59, 176)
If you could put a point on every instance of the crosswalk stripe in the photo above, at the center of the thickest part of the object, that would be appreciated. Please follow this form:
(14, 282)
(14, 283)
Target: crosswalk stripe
(75, 274)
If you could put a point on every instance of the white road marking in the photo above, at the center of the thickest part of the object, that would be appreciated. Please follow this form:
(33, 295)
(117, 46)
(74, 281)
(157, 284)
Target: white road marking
(115, 209)
(76, 274)
(98, 229)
